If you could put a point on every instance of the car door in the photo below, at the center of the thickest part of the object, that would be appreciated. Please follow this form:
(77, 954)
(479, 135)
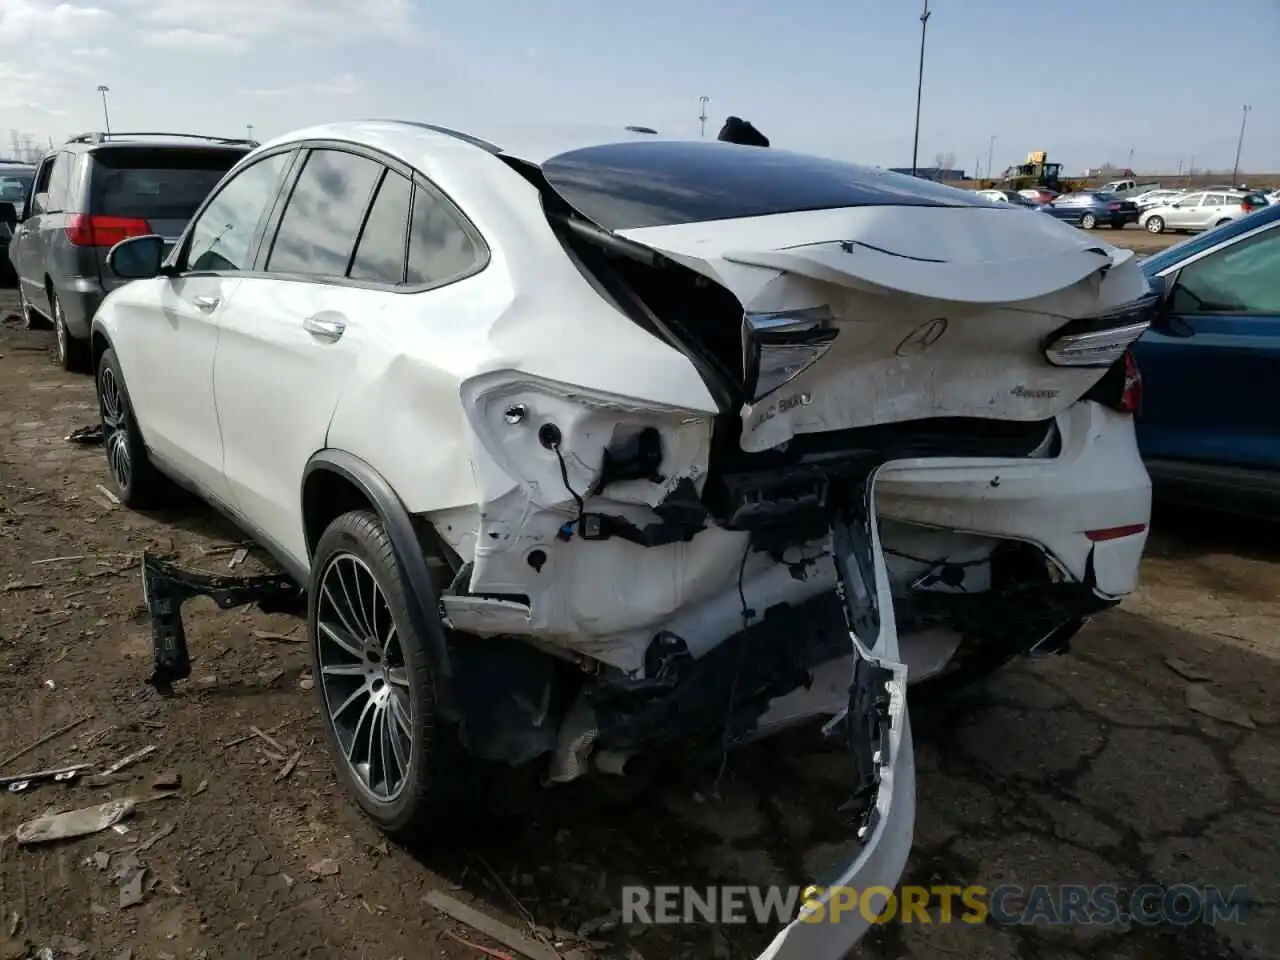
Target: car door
(291, 339)
(1183, 214)
(26, 239)
(167, 333)
(1213, 396)
(1217, 207)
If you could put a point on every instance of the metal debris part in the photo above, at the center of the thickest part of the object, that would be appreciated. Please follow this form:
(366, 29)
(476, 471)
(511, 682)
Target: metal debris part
(47, 738)
(506, 935)
(73, 823)
(24, 781)
(128, 761)
(1203, 702)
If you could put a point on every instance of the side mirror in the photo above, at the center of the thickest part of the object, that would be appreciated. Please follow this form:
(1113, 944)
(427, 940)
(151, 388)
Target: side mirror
(8, 213)
(137, 258)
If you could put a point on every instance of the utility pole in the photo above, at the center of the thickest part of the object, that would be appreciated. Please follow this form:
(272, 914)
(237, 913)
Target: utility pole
(991, 150)
(1244, 117)
(249, 128)
(915, 144)
(977, 167)
(106, 116)
(702, 115)
(1131, 158)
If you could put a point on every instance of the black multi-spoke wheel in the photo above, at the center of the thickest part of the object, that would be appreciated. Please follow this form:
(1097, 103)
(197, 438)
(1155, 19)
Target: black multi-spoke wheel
(375, 684)
(68, 353)
(366, 683)
(136, 481)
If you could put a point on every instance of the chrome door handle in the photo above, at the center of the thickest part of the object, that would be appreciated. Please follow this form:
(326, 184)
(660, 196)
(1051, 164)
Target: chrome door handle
(207, 304)
(325, 328)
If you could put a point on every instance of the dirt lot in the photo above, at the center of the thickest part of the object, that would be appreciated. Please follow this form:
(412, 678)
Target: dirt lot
(1086, 769)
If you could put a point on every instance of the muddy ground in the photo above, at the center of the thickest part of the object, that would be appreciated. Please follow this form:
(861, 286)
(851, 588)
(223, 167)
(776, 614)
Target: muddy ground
(1090, 768)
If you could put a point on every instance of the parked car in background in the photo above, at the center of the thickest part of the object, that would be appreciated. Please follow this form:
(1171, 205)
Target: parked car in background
(15, 181)
(90, 193)
(1127, 188)
(1040, 195)
(548, 422)
(1091, 207)
(1209, 427)
(1156, 198)
(1200, 211)
(1006, 196)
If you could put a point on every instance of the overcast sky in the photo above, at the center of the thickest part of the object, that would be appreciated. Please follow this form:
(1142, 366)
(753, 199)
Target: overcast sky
(1086, 80)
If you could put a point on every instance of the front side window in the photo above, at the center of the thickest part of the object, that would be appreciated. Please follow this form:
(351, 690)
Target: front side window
(222, 236)
(322, 219)
(1243, 278)
(1187, 203)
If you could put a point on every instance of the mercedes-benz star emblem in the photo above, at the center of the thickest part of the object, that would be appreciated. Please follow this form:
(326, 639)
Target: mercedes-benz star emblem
(922, 337)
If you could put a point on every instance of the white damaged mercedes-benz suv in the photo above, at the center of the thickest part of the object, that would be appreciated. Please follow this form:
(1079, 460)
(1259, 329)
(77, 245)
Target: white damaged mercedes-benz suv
(584, 444)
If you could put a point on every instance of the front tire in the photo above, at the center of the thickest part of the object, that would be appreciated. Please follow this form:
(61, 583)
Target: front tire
(1155, 225)
(137, 482)
(70, 354)
(394, 753)
(1088, 221)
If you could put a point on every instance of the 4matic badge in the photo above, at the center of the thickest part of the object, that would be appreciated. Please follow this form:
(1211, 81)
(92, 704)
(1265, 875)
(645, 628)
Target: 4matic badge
(1021, 391)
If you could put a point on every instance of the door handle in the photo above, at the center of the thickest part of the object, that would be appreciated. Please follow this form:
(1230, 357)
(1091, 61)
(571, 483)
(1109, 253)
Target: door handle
(328, 328)
(207, 304)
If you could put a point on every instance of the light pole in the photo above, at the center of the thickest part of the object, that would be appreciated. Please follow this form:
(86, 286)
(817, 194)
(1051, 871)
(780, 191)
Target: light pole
(702, 115)
(249, 129)
(915, 143)
(1244, 117)
(106, 116)
(991, 150)
(1131, 158)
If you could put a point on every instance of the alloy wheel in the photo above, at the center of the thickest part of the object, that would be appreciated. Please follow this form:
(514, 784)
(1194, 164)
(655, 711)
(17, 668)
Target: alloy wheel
(60, 332)
(115, 428)
(364, 677)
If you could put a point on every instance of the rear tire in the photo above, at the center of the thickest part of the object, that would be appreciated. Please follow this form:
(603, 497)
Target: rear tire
(1155, 225)
(1088, 221)
(70, 354)
(137, 482)
(1221, 222)
(397, 757)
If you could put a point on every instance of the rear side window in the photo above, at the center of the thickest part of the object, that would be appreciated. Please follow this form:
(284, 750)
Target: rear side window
(647, 183)
(153, 184)
(60, 182)
(380, 252)
(440, 248)
(322, 218)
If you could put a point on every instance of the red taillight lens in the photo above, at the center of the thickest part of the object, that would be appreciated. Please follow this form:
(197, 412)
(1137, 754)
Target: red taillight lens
(1131, 396)
(87, 230)
(1113, 206)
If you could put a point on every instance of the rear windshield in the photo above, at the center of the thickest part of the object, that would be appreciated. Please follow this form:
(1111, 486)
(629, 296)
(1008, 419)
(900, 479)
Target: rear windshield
(14, 185)
(648, 183)
(156, 184)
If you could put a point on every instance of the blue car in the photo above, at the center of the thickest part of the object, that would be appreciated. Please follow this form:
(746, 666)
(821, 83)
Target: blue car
(1092, 207)
(1209, 427)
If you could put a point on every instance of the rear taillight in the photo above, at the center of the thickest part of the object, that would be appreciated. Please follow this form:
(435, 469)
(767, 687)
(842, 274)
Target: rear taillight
(1113, 206)
(778, 347)
(1120, 387)
(1100, 341)
(91, 230)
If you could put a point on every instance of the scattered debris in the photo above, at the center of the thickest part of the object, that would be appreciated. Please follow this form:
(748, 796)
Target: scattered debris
(493, 929)
(306, 682)
(272, 741)
(166, 780)
(604, 924)
(47, 738)
(102, 860)
(97, 781)
(131, 891)
(224, 548)
(74, 823)
(325, 868)
(278, 637)
(86, 436)
(14, 586)
(50, 685)
(165, 831)
(238, 558)
(24, 781)
(203, 786)
(1187, 671)
(269, 677)
(36, 563)
(68, 946)
(128, 761)
(289, 767)
(1202, 701)
(108, 494)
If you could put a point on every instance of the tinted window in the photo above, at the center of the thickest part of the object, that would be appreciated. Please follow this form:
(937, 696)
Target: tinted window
(322, 218)
(222, 236)
(1242, 278)
(651, 183)
(1216, 200)
(155, 184)
(440, 248)
(60, 181)
(380, 252)
(1192, 201)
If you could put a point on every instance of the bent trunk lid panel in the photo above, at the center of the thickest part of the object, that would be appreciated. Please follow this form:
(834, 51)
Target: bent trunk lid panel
(940, 312)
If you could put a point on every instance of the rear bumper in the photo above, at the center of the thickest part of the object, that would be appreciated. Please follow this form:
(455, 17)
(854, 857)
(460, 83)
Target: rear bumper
(1097, 482)
(80, 298)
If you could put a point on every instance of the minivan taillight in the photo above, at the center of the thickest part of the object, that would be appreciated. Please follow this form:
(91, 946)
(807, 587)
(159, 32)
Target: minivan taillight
(91, 230)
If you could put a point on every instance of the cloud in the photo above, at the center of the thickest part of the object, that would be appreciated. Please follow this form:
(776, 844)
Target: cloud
(239, 25)
(343, 85)
(24, 20)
